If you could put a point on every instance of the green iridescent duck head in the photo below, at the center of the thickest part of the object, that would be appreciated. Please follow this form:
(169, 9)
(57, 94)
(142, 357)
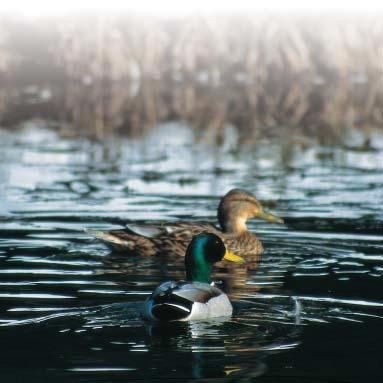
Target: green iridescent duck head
(239, 205)
(204, 250)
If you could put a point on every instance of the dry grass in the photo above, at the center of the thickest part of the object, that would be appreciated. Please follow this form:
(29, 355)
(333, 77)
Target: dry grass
(266, 74)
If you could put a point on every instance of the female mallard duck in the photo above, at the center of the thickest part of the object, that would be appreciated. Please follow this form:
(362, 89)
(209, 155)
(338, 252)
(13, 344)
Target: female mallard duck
(197, 297)
(234, 209)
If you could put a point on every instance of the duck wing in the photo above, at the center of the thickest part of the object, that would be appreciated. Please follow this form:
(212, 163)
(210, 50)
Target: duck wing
(153, 239)
(197, 292)
(174, 300)
(123, 240)
(174, 237)
(149, 231)
(162, 229)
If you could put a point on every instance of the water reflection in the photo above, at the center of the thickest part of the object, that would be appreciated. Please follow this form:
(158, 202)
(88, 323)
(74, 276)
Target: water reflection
(201, 349)
(72, 309)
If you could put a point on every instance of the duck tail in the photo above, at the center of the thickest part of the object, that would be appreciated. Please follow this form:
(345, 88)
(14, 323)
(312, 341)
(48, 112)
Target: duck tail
(170, 311)
(110, 239)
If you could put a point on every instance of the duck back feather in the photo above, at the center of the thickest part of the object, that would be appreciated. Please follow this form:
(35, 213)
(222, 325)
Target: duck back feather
(185, 301)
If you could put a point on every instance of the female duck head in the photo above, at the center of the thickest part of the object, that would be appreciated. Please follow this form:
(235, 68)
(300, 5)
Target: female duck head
(204, 250)
(236, 207)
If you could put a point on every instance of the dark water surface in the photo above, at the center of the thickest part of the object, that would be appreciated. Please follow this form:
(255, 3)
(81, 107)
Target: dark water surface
(70, 310)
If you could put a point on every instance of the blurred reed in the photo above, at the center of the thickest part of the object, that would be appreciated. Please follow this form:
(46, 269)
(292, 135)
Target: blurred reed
(98, 75)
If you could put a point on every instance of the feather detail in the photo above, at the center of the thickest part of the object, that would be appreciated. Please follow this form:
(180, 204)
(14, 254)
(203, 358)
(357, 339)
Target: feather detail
(186, 301)
(198, 292)
(234, 209)
(149, 231)
(110, 238)
(160, 239)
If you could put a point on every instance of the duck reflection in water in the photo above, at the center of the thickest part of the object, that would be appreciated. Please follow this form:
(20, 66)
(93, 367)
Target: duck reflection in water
(210, 345)
(229, 276)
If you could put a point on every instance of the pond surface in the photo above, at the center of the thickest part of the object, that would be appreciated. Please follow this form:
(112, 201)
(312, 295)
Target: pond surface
(310, 311)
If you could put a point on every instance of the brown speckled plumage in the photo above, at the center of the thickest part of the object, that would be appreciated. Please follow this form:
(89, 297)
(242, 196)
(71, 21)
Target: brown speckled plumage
(173, 238)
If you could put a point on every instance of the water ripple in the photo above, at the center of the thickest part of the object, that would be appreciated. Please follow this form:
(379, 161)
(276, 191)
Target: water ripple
(80, 305)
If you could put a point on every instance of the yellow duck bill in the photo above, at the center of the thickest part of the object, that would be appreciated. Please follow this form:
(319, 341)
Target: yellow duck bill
(230, 256)
(269, 217)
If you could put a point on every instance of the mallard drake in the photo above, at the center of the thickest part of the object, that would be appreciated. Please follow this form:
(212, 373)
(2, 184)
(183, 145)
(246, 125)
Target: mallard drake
(234, 209)
(197, 297)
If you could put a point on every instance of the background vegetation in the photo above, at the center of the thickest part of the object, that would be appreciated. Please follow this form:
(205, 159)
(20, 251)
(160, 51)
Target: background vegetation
(98, 75)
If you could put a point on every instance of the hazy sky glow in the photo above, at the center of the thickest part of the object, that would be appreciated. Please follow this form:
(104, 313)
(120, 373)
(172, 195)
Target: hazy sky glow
(180, 7)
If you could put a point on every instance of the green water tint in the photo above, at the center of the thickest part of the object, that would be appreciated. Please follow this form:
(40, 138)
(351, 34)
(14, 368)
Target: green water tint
(70, 311)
